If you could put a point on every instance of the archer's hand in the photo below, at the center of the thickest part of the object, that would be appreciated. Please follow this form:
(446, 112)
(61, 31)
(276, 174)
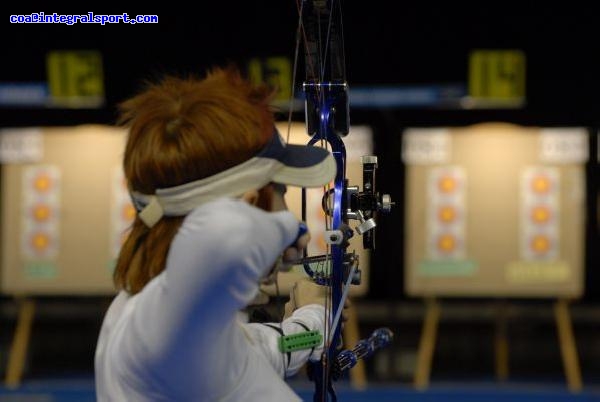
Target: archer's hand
(285, 262)
(305, 292)
(294, 251)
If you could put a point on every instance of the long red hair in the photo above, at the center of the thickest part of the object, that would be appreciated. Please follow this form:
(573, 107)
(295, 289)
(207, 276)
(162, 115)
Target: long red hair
(181, 130)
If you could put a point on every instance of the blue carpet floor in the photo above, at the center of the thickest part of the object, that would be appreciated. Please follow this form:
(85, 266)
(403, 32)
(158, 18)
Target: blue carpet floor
(82, 390)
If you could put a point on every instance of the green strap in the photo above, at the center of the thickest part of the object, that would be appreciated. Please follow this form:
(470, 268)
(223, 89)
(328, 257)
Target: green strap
(299, 341)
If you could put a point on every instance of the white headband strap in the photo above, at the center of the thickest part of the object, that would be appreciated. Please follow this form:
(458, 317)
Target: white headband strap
(180, 200)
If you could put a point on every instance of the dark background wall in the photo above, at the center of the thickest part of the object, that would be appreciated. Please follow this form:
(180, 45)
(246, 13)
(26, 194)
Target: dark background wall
(387, 43)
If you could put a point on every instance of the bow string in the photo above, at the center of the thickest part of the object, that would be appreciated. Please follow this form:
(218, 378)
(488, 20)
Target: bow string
(326, 99)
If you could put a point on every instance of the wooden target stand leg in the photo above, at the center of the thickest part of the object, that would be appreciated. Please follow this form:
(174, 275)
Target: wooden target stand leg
(501, 349)
(568, 347)
(358, 376)
(427, 343)
(20, 342)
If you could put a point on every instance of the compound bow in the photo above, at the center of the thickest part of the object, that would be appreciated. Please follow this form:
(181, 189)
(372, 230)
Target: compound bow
(327, 121)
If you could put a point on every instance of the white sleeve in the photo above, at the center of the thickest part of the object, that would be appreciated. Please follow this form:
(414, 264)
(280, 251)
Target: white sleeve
(186, 316)
(230, 247)
(266, 336)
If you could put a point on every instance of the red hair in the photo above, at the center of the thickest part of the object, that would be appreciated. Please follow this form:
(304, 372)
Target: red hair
(181, 130)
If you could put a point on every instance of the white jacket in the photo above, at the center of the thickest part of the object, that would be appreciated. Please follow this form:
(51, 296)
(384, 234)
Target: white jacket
(182, 337)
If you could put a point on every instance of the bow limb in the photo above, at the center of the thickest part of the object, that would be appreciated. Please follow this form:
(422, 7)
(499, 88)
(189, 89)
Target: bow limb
(327, 121)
